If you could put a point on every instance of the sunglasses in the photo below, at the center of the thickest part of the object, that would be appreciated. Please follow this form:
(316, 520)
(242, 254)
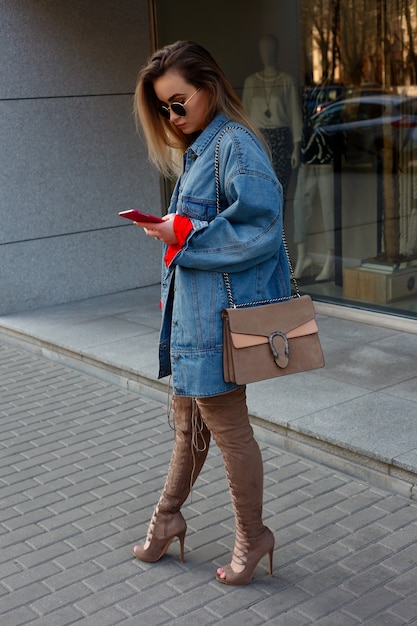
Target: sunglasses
(177, 107)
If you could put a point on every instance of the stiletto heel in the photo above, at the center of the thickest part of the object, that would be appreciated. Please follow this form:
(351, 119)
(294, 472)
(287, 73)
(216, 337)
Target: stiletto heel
(181, 538)
(248, 552)
(163, 529)
(270, 558)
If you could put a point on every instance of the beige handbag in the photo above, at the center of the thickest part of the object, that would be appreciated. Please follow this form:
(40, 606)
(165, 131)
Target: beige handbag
(270, 340)
(264, 340)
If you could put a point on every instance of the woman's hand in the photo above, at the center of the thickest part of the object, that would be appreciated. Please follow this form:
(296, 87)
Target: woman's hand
(163, 231)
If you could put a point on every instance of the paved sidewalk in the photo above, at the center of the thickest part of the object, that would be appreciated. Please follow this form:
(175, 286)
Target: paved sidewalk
(357, 414)
(82, 462)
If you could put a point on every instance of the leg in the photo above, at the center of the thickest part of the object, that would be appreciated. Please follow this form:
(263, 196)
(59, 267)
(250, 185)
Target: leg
(303, 207)
(327, 271)
(325, 180)
(192, 440)
(303, 260)
(226, 416)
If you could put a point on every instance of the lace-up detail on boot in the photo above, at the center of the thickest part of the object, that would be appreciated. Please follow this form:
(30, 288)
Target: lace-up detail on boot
(191, 444)
(163, 529)
(240, 553)
(246, 555)
(227, 417)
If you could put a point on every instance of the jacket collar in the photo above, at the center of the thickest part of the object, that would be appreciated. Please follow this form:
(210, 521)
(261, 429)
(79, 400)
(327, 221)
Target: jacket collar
(202, 141)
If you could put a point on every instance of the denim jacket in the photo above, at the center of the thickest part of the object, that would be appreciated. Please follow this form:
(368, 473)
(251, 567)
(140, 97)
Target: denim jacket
(244, 239)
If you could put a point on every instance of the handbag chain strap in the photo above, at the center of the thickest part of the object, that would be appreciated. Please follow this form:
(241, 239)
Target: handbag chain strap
(226, 277)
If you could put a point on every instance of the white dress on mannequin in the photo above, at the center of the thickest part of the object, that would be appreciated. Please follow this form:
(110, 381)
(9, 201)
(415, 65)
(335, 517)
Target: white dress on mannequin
(271, 100)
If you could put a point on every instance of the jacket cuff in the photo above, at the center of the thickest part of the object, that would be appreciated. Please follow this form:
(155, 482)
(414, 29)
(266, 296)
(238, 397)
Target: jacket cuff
(182, 228)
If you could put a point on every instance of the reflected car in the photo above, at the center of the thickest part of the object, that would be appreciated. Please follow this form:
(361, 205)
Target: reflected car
(317, 98)
(359, 124)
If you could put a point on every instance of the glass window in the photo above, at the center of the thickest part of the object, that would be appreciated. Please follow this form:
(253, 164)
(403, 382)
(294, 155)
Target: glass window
(332, 84)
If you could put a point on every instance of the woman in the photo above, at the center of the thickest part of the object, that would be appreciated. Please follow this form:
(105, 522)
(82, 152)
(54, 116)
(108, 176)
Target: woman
(183, 103)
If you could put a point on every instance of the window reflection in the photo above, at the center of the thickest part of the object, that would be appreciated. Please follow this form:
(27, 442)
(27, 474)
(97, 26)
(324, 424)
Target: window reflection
(360, 115)
(351, 201)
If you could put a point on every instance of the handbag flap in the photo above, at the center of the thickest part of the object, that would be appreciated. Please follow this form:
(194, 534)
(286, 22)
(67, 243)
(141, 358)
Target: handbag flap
(242, 340)
(269, 318)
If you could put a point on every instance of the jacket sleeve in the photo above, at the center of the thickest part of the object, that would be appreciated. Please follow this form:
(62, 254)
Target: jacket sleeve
(248, 230)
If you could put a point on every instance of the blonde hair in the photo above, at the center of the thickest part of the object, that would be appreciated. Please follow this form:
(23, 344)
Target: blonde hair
(165, 142)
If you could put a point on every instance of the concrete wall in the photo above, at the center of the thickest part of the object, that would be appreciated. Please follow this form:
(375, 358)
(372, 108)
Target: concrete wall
(70, 158)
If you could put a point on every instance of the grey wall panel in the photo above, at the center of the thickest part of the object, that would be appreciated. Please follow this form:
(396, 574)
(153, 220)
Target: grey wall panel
(51, 48)
(70, 158)
(70, 165)
(73, 267)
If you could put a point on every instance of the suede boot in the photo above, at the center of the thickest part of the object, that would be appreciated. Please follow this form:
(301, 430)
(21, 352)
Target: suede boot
(191, 445)
(227, 418)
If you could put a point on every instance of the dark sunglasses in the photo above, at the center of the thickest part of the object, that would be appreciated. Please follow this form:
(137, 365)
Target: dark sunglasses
(177, 107)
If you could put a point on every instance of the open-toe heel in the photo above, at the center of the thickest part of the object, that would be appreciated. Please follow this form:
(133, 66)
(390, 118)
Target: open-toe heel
(247, 554)
(163, 529)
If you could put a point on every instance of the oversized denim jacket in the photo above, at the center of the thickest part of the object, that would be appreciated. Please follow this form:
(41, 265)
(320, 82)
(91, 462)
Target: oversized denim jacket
(245, 240)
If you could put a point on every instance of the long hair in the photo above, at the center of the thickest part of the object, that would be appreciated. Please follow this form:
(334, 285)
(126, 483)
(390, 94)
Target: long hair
(165, 142)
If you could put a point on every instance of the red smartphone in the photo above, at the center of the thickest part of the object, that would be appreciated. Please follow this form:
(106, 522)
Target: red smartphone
(140, 216)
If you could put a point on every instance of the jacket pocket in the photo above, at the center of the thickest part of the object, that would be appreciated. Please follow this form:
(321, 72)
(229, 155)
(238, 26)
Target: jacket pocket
(198, 209)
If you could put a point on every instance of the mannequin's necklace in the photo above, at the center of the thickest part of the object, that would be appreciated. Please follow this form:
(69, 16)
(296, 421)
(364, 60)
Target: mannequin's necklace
(267, 111)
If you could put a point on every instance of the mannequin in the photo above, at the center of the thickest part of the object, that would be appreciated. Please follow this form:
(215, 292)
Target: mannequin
(315, 179)
(270, 98)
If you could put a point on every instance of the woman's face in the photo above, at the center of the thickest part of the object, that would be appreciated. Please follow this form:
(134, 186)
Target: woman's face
(171, 87)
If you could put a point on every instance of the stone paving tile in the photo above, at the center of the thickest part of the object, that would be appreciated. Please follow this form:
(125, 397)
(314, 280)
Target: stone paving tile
(243, 617)
(387, 619)
(375, 602)
(81, 465)
(407, 609)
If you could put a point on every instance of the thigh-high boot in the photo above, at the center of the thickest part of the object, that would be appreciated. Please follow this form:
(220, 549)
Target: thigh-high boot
(226, 416)
(192, 441)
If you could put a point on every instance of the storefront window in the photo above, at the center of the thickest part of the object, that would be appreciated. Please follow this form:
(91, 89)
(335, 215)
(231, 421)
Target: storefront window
(332, 84)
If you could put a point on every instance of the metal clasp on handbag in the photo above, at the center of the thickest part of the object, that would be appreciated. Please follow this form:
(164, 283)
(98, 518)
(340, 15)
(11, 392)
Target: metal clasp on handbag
(280, 360)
